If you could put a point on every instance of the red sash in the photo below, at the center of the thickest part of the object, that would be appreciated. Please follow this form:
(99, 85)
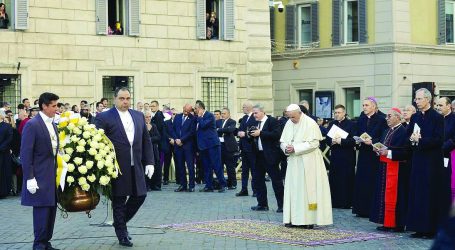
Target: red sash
(391, 191)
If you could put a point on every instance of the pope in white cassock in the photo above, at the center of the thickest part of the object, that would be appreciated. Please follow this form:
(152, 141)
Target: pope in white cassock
(307, 200)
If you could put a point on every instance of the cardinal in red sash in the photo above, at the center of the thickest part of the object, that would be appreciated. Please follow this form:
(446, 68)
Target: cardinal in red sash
(392, 176)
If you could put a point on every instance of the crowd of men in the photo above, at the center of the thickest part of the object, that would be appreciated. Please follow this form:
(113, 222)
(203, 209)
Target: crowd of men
(395, 168)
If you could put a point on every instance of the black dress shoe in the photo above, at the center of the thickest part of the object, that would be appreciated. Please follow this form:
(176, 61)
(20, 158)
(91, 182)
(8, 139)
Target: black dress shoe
(125, 242)
(232, 187)
(422, 235)
(260, 208)
(51, 248)
(165, 183)
(242, 193)
(279, 210)
(180, 189)
(206, 190)
(288, 225)
(222, 190)
(155, 188)
(191, 190)
(384, 229)
(398, 229)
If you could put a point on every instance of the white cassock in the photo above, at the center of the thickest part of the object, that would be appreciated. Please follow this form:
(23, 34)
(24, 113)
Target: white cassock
(307, 198)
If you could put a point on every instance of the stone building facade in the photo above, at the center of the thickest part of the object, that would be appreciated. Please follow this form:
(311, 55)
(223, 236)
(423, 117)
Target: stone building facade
(65, 46)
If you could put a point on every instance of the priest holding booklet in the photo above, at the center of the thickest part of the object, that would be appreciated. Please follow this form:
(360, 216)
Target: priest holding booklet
(342, 158)
(392, 178)
(369, 128)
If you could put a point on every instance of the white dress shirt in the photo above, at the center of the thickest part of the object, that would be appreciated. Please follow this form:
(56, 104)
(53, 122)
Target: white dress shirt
(128, 125)
(222, 126)
(50, 127)
(260, 129)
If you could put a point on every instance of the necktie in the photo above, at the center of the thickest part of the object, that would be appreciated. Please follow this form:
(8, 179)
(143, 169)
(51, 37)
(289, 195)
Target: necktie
(259, 124)
(183, 120)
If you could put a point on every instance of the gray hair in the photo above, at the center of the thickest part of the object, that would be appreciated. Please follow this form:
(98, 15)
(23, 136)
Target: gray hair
(426, 93)
(453, 102)
(259, 106)
(411, 108)
(303, 102)
(227, 109)
(148, 112)
(447, 99)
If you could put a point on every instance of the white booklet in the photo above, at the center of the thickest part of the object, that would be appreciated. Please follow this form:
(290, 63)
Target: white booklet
(362, 138)
(379, 146)
(336, 132)
(416, 128)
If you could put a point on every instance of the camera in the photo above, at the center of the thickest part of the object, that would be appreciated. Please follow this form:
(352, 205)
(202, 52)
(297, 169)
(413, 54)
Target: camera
(251, 129)
(280, 7)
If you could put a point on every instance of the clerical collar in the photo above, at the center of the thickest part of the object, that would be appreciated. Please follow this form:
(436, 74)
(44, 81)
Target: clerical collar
(249, 114)
(396, 126)
(447, 114)
(46, 118)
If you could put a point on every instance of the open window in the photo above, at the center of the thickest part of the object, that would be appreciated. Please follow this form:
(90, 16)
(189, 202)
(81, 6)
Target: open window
(215, 19)
(118, 17)
(14, 14)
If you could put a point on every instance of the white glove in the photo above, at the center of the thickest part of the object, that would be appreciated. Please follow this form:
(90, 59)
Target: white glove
(32, 185)
(149, 169)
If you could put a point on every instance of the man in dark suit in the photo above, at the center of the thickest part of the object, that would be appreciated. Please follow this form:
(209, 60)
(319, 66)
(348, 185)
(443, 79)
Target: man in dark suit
(127, 130)
(267, 147)
(246, 148)
(229, 147)
(38, 155)
(209, 146)
(167, 147)
(184, 130)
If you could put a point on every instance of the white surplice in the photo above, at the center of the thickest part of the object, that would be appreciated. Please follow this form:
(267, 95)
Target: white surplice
(307, 198)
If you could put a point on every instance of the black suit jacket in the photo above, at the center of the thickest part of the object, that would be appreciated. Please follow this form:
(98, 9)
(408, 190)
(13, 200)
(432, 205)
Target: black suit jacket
(246, 142)
(270, 140)
(227, 132)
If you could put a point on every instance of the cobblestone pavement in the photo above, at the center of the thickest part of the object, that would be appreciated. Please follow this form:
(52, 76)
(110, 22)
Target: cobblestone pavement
(167, 207)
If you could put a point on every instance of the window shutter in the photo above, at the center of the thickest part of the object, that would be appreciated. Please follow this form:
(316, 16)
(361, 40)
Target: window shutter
(314, 22)
(101, 17)
(363, 34)
(229, 21)
(336, 8)
(200, 19)
(134, 17)
(290, 26)
(272, 23)
(441, 22)
(21, 15)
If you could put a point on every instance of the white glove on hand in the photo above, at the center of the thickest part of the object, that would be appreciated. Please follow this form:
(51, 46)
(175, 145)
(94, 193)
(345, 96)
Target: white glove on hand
(149, 169)
(32, 185)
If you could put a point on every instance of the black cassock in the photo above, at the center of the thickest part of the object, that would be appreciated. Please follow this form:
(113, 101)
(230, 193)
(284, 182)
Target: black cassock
(391, 193)
(6, 135)
(342, 166)
(447, 147)
(367, 163)
(426, 194)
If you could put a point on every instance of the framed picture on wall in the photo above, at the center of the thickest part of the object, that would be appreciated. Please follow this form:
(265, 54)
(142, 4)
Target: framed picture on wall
(324, 104)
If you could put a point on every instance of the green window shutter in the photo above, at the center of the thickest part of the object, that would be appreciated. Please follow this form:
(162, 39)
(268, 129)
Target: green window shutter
(134, 17)
(363, 34)
(336, 22)
(229, 20)
(314, 22)
(442, 22)
(290, 25)
(101, 17)
(272, 23)
(21, 15)
(200, 19)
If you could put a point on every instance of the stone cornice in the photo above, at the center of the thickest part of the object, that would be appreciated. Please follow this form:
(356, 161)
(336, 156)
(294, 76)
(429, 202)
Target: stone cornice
(363, 49)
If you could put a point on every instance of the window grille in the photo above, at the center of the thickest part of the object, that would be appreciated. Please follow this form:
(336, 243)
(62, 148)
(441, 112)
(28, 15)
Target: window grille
(111, 83)
(215, 92)
(10, 90)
